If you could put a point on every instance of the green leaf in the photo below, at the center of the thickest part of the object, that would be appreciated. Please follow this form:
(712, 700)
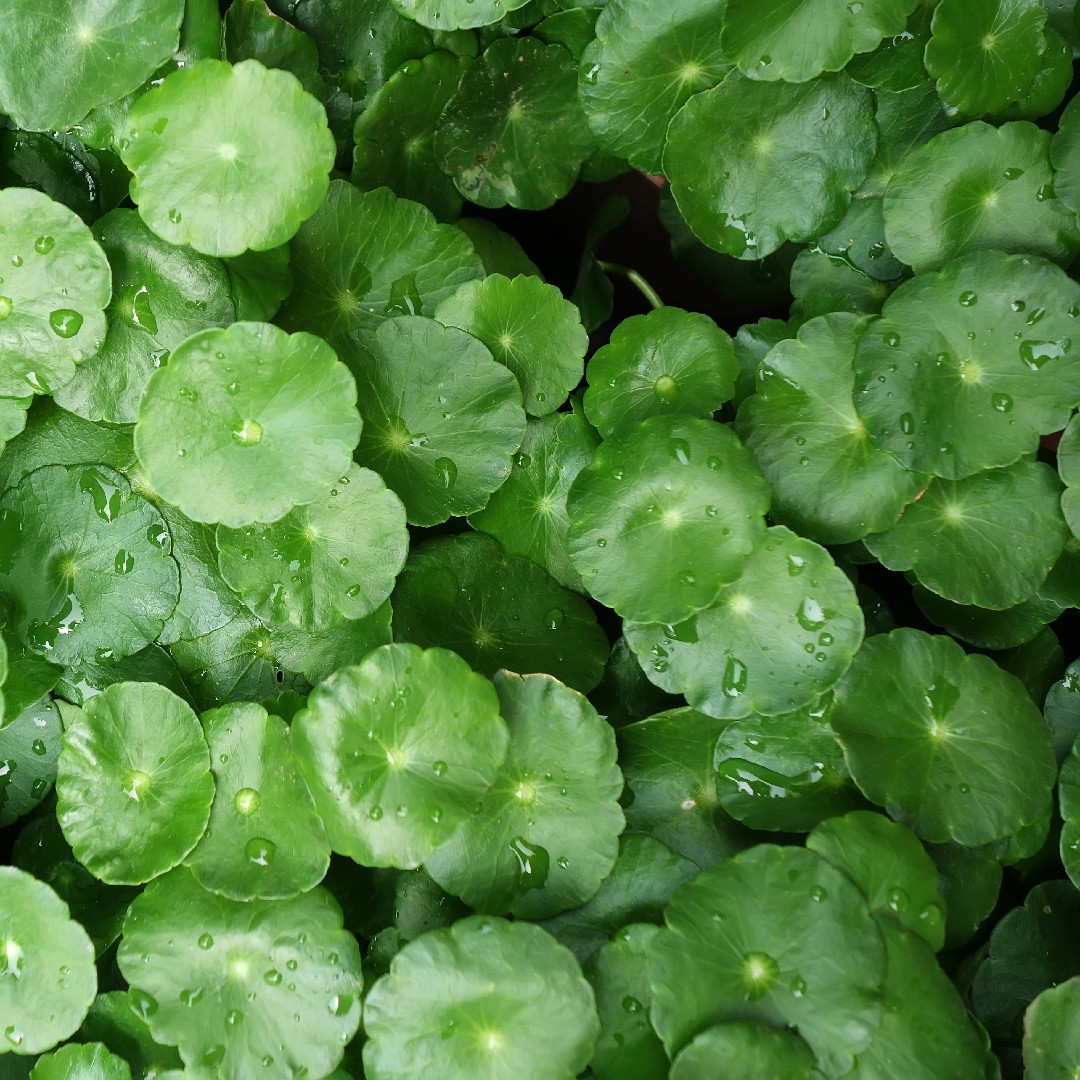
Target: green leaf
(29, 747)
(1051, 1024)
(49, 962)
(161, 295)
(514, 133)
(264, 839)
(546, 835)
(896, 64)
(253, 32)
(134, 786)
(970, 882)
(984, 53)
(232, 983)
(483, 997)
(628, 1048)
(952, 538)
(784, 772)
(112, 1021)
(58, 62)
(645, 63)
(752, 165)
(530, 328)
(499, 251)
(798, 39)
(1062, 711)
(395, 134)
(87, 563)
(775, 639)
(970, 364)
(741, 943)
(241, 175)
(218, 430)
(527, 514)
(668, 361)
(397, 751)
(331, 560)
(640, 884)
(925, 1030)
(830, 482)
(56, 285)
(456, 14)
(1069, 802)
(1031, 949)
(974, 188)
(949, 744)
(1065, 157)
(890, 866)
(751, 1050)
(593, 292)
(821, 284)
(667, 761)
(75, 1062)
(260, 281)
(986, 629)
(665, 516)
(369, 256)
(318, 655)
(40, 849)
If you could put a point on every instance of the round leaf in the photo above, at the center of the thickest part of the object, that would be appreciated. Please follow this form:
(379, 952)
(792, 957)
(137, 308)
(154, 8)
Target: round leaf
(775, 640)
(81, 1062)
(750, 1050)
(456, 14)
(978, 187)
(55, 286)
(233, 984)
(47, 974)
(952, 538)
(87, 563)
(546, 834)
(646, 62)
(969, 365)
(949, 744)
(514, 134)
(830, 481)
(29, 747)
(527, 514)
(668, 361)
(1069, 800)
(752, 165)
(133, 784)
(498, 611)
(806, 37)
(239, 173)
(984, 53)
(330, 560)
(441, 417)
(161, 295)
(776, 936)
(264, 839)
(665, 517)
(1052, 1033)
(60, 60)
(318, 655)
(970, 881)
(530, 328)
(472, 1000)
(985, 629)
(1065, 156)
(397, 751)
(400, 262)
(245, 423)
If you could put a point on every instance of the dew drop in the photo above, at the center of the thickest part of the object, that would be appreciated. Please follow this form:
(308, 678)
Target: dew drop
(1046, 193)
(1013, 174)
(897, 901)
(248, 433)
(44, 244)
(907, 423)
(65, 323)
(818, 894)
(968, 298)
(891, 339)
(1001, 403)
(811, 616)
(446, 470)
(733, 683)
(554, 619)
(175, 216)
(679, 450)
(632, 1005)
(272, 977)
(205, 942)
(260, 852)
(5, 307)
(375, 813)
(246, 801)
(124, 562)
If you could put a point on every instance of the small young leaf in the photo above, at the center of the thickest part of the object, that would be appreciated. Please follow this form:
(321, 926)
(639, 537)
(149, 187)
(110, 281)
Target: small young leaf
(753, 1050)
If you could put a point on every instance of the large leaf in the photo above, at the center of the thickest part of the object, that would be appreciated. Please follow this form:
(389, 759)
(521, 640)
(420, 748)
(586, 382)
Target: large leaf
(456, 14)
(1051, 1026)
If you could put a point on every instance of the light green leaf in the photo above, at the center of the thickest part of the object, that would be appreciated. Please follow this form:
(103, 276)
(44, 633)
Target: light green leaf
(1065, 157)
(48, 962)
(1069, 803)
(87, 562)
(949, 744)
(219, 426)
(252, 31)
(896, 64)
(1051, 1027)
(331, 560)
(115, 1023)
(499, 251)
(318, 655)
(515, 134)
(754, 1051)
(264, 839)
(233, 984)
(498, 611)
(776, 936)
(456, 14)
(546, 835)
(58, 61)
(133, 785)
(752, 165)
(29, 747)
(484, 996)
(668, 361)
(260, 281)
(830, 481)
(397, 751)
(775, 639)
(986, 629)
(56, 285)
(530, 328)
(75, 1062)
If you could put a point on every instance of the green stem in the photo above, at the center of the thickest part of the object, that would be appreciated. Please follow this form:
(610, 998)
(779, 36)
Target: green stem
(635, 279)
